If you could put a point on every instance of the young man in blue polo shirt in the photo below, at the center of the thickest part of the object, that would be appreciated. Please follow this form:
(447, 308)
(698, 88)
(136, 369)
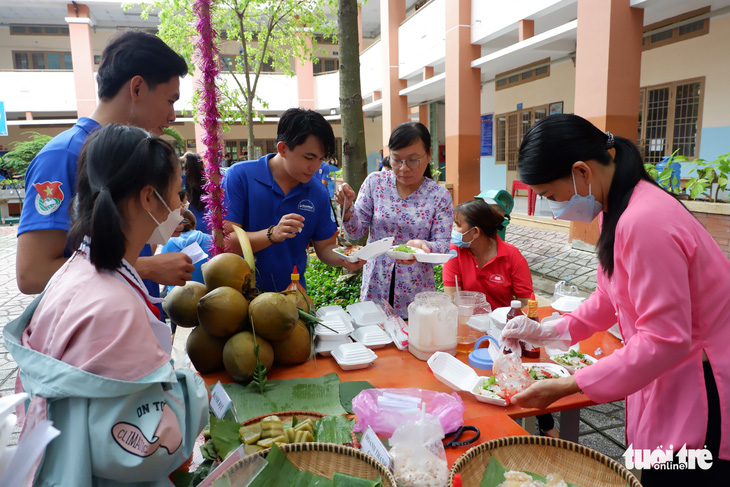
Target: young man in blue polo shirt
(138, 83)
(280, 205)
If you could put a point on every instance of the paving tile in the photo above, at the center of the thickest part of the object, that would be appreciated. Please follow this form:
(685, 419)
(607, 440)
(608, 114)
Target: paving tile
(602, 420)
(602, 444)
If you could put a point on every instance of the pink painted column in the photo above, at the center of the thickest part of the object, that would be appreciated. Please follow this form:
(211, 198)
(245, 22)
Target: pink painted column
(463, 92)
(395, 107)
(607, 75)
(305, 80)
(526, 29)
(82, 56)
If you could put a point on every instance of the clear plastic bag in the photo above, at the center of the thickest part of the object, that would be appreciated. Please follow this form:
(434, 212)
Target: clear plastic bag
(386, 409)
(562, 288)
(419, 459)
(511, 376)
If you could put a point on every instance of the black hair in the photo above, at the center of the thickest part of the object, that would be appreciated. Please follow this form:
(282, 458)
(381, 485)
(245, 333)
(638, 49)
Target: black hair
(189, 221)
(194, 180)
(480, 214)
(386, 162)
(555, 143)
(116, 163)
(408, 133)
(296, 124)
(133, 53)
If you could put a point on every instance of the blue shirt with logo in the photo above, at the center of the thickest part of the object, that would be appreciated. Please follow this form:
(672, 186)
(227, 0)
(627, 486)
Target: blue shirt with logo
(53, 172)
(255, 201)
(323, 174)
(50, 184)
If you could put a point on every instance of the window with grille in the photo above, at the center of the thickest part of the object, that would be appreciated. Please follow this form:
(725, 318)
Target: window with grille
(670, 119)
(511, 129)
(41, 60)
(663, 36)
(270, 146)
(524, 74)
(38, 30)
(325, 65)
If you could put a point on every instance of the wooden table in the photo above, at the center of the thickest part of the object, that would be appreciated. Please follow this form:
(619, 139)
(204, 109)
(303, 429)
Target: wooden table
(398, 369)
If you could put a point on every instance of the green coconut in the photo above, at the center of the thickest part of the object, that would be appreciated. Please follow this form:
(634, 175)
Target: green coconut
(229, 270)
(273, 315)
(205, 351)
(223, 311)
(181, 304)
(239, 357)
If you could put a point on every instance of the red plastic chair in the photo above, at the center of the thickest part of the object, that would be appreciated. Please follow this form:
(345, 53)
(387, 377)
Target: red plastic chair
(531, 195)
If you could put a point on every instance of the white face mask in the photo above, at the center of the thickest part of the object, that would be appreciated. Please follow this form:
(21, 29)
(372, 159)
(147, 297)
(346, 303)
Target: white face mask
(164, 230)
(578, 208)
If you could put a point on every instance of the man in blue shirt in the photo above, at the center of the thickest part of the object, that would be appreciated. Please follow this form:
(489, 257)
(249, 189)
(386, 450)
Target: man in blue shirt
(138, 83)
(279, 203)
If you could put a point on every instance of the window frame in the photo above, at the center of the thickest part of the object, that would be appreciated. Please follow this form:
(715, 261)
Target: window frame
(669, 142)
(503, 132)
(45, 54)
(675, 31)
(62, 30)
(519, 76)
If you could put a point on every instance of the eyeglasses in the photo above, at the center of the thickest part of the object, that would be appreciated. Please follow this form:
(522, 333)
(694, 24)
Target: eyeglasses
(411, 163)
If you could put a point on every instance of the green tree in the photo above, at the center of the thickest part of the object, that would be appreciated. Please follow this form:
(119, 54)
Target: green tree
(22, 153)
(263, 34)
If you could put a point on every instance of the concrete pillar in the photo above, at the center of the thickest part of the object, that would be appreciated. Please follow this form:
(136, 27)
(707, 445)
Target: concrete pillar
(607, 75)
(423, 114)
(526, 29)
(463, 92)
(82, 57)
(427, 72)
(395, 107)
(304, 71)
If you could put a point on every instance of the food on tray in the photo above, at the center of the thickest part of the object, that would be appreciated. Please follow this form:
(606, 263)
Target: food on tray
(514, 478)
(349, 251)
(270, 430)
(490, 389)
(539, 373)
(405, 248)
(573, 359)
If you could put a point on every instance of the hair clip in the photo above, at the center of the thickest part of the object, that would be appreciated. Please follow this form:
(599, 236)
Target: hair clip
(609, 140)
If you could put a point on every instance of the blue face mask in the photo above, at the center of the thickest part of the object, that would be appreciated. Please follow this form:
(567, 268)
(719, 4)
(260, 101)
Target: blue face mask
(457, 238)
(578, 208)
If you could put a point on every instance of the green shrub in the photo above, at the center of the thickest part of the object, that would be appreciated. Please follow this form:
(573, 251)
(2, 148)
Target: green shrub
(331, 285)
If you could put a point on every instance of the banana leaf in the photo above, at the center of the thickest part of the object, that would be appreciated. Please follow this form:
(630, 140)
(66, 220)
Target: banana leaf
(224, 435)
(334, 429)
(344, 480)
(279, 471)
(320, 394)
(494, 475)
(350, 389)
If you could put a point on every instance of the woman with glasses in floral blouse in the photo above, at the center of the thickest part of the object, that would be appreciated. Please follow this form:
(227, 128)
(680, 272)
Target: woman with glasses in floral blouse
(407, 204)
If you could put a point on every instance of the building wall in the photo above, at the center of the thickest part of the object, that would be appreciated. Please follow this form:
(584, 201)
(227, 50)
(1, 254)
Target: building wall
(559, 86)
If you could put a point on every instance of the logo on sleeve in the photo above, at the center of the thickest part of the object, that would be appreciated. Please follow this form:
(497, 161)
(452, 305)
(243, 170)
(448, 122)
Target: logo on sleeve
(49, 197)
(306, 205)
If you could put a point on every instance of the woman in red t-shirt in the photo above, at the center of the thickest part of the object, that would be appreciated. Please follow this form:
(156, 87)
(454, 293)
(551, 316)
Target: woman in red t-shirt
(484, 262)
(487, 264)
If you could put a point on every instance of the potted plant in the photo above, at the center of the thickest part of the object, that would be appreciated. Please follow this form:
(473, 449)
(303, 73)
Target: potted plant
(707, 179)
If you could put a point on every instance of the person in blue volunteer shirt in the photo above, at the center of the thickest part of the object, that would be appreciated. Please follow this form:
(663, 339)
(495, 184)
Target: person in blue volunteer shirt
(281, 205)
(138, 83)
(325, 170)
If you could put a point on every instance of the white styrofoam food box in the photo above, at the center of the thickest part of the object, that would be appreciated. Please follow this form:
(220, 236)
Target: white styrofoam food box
(371, 336)
(366, 313)
(325, 347)
(339, 329)
(351, 356)
(335, 311)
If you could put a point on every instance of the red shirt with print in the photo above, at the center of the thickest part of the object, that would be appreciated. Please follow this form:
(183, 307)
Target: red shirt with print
(504, 276)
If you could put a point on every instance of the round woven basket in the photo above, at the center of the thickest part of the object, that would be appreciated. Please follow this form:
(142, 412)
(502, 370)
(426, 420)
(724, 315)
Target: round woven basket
(288, 416)
(324, 459)
(543, 455)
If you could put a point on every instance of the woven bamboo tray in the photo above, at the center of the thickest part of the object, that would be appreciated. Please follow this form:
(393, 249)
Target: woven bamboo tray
(543, 455)
(288, 416)
(323, 459)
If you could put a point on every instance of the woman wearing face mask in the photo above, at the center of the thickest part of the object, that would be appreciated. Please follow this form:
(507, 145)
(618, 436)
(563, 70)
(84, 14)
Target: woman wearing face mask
(661, 277)
(93, 355)
(484, 262)
(407, 204)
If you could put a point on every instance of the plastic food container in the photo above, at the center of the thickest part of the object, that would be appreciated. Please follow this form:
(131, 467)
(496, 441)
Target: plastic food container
(397, 254)
(433, 258)
(498, 319)
(459, 376)
(325, 347)
(370, 251)
(371, 336)
(554, 357)
(339, 329)
(351, 356)
(366, 313)
(567, 304)
(334, 311)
